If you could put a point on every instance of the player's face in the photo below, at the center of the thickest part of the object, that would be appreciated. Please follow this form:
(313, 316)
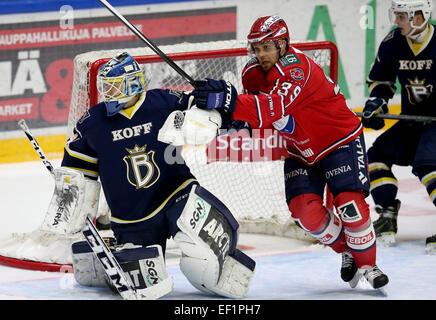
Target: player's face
(402, 21)
(112, 89)
(267, 53)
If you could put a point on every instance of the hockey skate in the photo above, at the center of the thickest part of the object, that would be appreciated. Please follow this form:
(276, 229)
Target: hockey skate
(349, 269)
(386, 225)
(375, 277)
(430, 245)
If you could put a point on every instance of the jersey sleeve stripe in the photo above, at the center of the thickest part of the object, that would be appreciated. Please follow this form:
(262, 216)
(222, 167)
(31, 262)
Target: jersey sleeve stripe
(80, 156)
(377, 83)
(310, 71)
(279, 69)
(259, 112)
(89, 173)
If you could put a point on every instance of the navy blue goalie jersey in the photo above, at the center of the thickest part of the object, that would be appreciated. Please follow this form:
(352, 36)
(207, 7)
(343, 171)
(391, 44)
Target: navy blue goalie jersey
(414, 66)
(138, 173)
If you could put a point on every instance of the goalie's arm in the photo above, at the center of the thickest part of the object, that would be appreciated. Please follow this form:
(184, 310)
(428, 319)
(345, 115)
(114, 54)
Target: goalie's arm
(79, 156)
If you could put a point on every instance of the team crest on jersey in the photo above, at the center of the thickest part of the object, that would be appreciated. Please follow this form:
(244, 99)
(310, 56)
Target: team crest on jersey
(297, 74)
(142, 170)
(418, 91)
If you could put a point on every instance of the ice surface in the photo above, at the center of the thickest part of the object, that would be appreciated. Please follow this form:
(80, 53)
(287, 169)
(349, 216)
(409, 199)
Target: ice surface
(286, 269)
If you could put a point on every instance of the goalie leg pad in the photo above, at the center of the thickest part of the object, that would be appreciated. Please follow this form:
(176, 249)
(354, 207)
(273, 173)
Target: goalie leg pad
(74, 198)
(87, 269)
(204, 272)
(145, 266)
(208, 238)
(209, 222)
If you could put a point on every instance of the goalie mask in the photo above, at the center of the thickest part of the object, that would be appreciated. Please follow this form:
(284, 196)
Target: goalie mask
(118, 81)
(411, 7)
(269, 28)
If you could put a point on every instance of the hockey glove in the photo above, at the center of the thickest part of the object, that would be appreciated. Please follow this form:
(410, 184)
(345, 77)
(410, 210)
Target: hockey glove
(215, 94)
(372, 107)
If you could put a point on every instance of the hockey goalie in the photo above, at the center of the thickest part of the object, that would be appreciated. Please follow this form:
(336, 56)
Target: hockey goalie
(122, 144)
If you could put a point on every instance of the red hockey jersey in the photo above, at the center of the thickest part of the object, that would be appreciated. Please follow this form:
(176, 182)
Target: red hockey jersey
(296, 98)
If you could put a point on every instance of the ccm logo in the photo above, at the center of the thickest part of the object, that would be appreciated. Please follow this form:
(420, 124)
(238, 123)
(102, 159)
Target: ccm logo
(360, 240)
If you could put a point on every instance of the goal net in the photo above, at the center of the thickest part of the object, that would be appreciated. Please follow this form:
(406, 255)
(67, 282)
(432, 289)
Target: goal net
(246, 173)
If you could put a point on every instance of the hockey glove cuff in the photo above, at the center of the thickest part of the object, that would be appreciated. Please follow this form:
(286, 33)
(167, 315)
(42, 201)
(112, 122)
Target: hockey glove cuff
(215, 94)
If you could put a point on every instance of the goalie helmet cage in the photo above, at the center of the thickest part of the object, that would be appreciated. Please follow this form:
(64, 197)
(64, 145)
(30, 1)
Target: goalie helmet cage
(252, 190)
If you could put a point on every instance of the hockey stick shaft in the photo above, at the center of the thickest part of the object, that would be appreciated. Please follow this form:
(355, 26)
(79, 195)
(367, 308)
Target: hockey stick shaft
(110, 264)
(92, 236)
(150, 44)
(401, 117)
(22, 124)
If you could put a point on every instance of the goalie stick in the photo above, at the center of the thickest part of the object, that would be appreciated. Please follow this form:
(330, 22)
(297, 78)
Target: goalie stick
(400, 117)
(110, 265)
(150, 44)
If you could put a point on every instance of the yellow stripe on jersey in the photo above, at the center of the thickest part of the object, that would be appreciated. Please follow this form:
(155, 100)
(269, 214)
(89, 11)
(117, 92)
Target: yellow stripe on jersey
(89, 173)
(182, 186)
(80, 156)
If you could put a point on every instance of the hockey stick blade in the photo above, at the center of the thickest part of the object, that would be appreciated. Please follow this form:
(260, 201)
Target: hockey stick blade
(150, 44)
(400, 117)
(92, 236)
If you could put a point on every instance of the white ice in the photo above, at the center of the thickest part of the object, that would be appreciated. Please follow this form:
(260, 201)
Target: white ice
(286, 269)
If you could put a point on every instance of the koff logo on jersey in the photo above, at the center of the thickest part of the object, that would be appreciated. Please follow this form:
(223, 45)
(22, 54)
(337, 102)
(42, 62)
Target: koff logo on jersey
(130, 132)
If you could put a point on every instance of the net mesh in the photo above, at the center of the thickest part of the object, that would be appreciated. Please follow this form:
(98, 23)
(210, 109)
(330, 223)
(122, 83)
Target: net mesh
(253, 191)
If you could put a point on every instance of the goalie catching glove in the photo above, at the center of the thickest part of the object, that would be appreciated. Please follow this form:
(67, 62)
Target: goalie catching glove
(192, 127)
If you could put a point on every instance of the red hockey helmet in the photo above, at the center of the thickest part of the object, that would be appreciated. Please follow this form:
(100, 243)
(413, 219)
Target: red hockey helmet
(268, 28)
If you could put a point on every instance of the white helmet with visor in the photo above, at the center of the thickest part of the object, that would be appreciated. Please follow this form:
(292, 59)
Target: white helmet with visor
(411, 7)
